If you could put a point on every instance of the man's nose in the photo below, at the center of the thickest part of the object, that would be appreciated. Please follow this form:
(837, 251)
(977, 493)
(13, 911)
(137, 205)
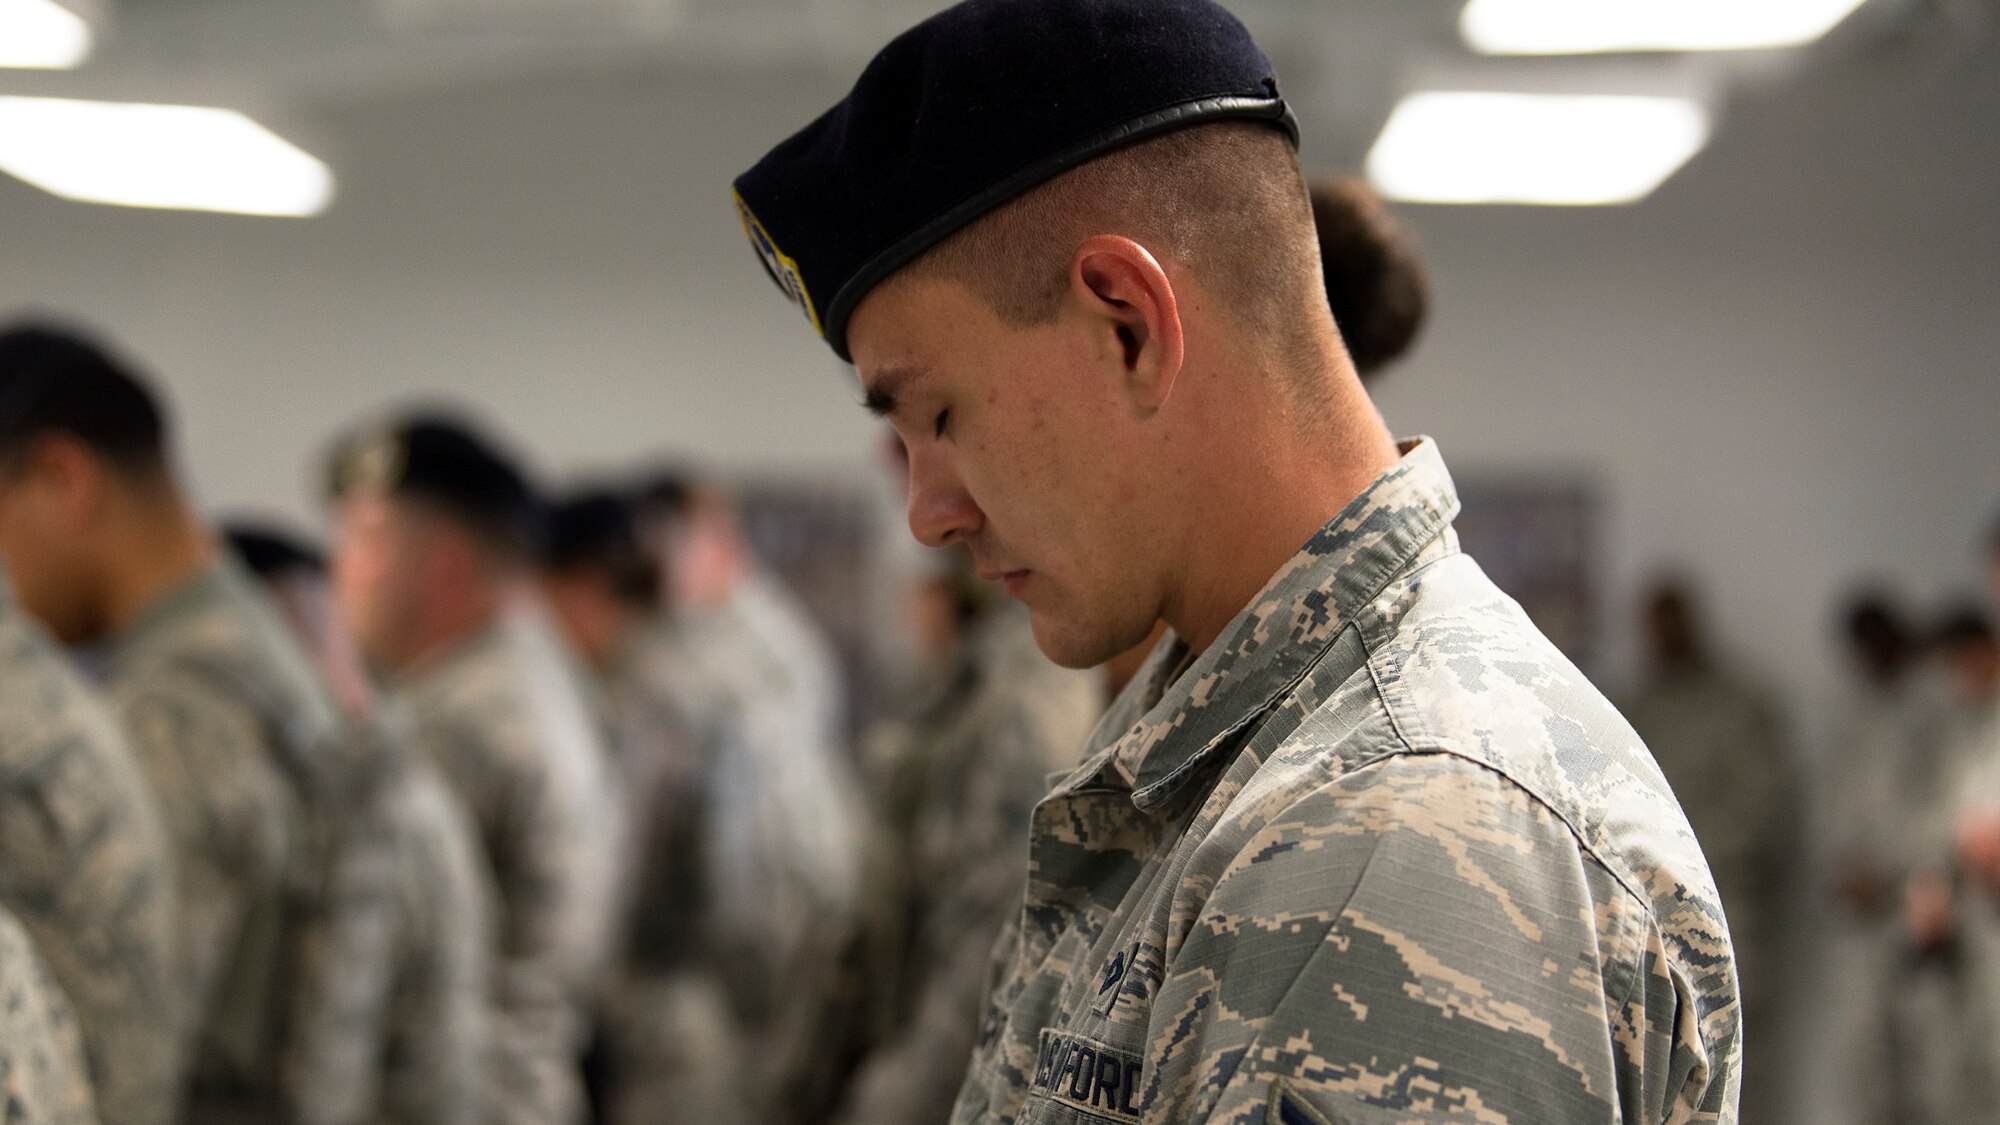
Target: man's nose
(942, 512)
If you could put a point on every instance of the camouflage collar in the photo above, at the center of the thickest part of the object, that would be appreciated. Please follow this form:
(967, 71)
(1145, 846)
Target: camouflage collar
(1269, 646)
(436, 674)
(214, 584)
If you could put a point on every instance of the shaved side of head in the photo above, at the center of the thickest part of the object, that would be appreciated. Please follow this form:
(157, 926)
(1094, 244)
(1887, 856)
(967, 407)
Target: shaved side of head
(1225, 201)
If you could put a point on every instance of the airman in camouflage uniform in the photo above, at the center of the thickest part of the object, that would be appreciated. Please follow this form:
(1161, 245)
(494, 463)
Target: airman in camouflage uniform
(1378, 854)
(1945, 1061)
(431, 565)
(86, 871)
(428, 1000)
(747, 1018)
(962, 776)
(1357, 844)
(1860, 805)
(42, 1078)
(282, 891)
(276, 879)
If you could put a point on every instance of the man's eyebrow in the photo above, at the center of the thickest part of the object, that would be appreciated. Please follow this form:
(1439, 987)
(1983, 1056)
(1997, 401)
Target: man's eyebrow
(881, 393)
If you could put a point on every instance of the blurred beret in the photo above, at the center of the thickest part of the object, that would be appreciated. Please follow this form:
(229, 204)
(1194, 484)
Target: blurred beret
(270, 551)
(587, 527)
(974, 107)
(445, 461)
(599, 530)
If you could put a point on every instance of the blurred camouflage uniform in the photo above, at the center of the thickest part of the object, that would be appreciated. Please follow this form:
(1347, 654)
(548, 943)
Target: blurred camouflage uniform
(960, 779)
(86, 870)
(1861, 804)
(1945, 1003)
(503, 720)
(672, 1032)
(762, 605)
(283, 890)
(1720, 741)
(1380, 854)
(42, 1078)
(783, 842)
(740, 999)
(436, 1043)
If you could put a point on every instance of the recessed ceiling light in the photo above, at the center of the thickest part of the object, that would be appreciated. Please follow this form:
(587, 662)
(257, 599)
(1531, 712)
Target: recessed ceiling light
(41, 34)
(1568, 27)
(195, 158)
(1481, 147)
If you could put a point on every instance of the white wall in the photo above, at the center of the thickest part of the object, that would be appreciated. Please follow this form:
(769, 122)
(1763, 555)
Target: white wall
(1781, 367)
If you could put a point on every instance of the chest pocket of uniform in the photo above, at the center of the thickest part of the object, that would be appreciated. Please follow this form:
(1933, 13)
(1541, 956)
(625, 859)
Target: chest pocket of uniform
(1078, 1079)
(1289, 1107)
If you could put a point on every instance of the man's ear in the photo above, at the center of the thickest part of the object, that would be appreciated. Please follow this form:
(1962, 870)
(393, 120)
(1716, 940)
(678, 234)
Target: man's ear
(73, 473)
(1122, 286)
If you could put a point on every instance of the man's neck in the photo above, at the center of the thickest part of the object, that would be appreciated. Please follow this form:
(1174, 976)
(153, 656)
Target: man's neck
(457, 618)
(161, 547)
(1274, 484)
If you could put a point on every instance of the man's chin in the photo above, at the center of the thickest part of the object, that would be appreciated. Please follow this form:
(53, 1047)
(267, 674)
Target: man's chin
(1065, 645)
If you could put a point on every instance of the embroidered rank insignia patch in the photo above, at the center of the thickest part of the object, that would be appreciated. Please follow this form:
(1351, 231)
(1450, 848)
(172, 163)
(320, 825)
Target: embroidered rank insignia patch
(782, 269)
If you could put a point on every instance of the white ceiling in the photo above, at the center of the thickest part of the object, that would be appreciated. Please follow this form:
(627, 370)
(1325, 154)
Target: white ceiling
(1346, 59)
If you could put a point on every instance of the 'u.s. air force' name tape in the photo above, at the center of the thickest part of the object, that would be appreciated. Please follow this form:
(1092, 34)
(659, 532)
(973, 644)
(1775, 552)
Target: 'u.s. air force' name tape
(1088, 1076)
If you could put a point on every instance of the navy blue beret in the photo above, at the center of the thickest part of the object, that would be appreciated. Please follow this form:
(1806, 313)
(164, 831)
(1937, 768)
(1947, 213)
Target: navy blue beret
(444, 460)
(973, 107)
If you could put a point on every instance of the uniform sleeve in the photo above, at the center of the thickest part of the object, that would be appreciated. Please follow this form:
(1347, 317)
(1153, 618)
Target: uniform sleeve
(88, 872)
(347, 957)
(42, 1076)
(1422, 940)
(531, 854)
(440, 1027)
(228, 815)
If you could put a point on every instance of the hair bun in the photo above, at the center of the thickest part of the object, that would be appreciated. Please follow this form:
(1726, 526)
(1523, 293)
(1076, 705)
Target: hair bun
(1374, 280)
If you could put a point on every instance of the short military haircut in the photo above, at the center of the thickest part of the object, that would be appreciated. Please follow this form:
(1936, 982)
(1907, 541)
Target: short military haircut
(57, 380)
(1375, 282)
(1226, 200)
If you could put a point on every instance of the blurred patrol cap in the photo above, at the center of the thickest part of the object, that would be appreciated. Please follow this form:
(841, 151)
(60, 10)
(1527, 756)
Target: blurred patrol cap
(973, 107)
(444, 461)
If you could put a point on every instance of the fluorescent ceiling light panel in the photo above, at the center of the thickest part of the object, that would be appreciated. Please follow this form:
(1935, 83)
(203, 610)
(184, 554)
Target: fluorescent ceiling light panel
(1467, 147)
(1571, 27)
(41, 34)
(185, 157)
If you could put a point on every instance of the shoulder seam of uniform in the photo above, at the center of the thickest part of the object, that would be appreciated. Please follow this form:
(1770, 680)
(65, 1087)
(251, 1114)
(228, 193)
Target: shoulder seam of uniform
(1443, 748)
(1437, 744)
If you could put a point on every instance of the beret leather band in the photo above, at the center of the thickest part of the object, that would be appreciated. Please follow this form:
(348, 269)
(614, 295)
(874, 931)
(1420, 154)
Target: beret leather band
(833, 323)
